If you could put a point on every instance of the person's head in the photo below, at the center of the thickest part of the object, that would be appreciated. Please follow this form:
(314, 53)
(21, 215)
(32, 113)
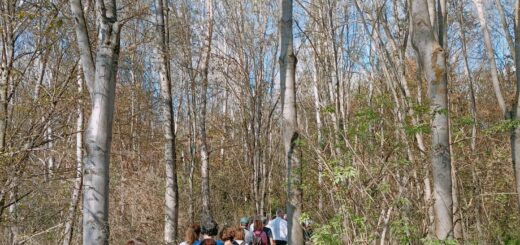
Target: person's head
(279, 213)
(227, 234)
(190, 236)
(259, 225)
(239, 233)
(208, 242)
(265, 220)
(244, 221)
(209, 227)
(196, 228)
(136, 241)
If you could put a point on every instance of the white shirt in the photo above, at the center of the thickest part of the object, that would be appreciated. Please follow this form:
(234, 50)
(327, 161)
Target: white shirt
(279, 229)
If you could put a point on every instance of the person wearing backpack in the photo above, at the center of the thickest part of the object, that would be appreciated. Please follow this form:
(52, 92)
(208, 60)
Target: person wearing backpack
(259, 235)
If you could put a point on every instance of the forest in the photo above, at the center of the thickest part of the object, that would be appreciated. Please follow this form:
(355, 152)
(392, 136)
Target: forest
(365, 121)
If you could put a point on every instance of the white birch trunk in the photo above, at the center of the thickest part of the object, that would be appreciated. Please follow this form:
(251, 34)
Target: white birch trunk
(6, 69)
(204, 153)
(192, 145)
(76, 190)
(49, 162)
(490, 55)
(100, 77)
(289, 124)
(317, 108)
(432, 60)
(13, 196)
(171, 194)
(6, 65)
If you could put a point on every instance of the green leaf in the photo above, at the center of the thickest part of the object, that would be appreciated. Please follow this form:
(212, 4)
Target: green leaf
(342, 174)
(418, 128)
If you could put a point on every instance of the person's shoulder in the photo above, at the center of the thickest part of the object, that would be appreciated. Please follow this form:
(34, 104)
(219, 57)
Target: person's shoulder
(219, 242)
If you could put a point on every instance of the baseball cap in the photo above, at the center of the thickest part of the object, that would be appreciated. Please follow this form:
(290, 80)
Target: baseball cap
(244, 220)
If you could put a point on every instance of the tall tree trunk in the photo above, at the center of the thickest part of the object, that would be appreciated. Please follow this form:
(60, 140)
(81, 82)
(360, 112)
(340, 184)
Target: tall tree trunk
(204, 153)
(100, 77)
(13, 196)
(490, 55)
(317, 108)
(49, 162)
(192, 122)
(192, 152)
(515, 134)
(514, 114)
(171, 198)
(289, 124)
(134, 122)
(256, 133)
(387, 69)
(6, 69)
(432, 59)
(76, 190)
(6, 66)
(505, 28)
(442, 20)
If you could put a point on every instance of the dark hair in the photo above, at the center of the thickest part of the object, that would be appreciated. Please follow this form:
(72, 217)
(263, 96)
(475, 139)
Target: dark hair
(196, 228)
(208, 242)
(265, 220)
(209, 227)
(227, 233)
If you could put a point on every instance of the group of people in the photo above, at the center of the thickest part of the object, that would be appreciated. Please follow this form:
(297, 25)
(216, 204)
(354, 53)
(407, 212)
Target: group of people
(255, 231)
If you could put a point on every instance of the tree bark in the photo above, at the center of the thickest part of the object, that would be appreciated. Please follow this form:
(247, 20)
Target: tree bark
(76, 189)
(442, 20)
(289, 123)
(490, 55)
(317, 108)
(171, 198)
(6, 66)
(432, 59)
(100, 77)
(192, 151)
(204, 153)
(6, 69)
(515, 139)
(467, 71)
